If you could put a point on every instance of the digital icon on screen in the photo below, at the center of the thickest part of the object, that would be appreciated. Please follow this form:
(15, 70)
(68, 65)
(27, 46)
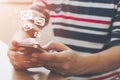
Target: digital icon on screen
(26, 14)
(37, 34)
(27, 26)
(39, 21)
(31, 40)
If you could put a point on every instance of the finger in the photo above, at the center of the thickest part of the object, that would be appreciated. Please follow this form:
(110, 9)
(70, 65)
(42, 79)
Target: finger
(17, 55)
(43, 13)
(25, 62)
(58, 68)
(53, 66)
(10, 54)
(30, 64)
(37, 62)
(56, 57)
(13, 45)
(56, 46)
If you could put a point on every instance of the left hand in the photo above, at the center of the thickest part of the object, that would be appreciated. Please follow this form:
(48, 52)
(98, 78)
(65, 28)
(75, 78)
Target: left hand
(20, 57)
(64, 61)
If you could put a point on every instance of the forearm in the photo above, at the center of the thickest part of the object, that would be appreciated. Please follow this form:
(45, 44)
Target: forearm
(101, 62)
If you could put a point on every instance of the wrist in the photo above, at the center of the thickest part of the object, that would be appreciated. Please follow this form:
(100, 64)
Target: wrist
(87, 63)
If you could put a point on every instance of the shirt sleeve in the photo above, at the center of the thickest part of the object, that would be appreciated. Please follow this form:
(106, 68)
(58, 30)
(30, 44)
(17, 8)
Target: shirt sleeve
(115, 29)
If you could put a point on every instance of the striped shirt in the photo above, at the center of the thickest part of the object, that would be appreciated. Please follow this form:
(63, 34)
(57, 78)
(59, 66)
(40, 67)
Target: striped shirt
(87, 26)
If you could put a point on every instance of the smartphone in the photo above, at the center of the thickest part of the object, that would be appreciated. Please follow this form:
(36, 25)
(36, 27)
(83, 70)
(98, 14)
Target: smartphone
(31, 43)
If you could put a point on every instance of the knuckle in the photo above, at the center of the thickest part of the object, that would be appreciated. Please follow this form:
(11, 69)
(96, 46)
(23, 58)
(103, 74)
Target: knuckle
(66, 67)
(69, 57)
(53, 43)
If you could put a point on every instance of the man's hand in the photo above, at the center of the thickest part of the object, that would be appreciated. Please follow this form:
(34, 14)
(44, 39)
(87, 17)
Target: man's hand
(21, 57)
(65, 61)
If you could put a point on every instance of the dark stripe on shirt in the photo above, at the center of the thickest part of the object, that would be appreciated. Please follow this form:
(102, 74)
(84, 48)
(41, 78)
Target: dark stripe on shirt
(116, 34)
(99, 1)
(113, 43)
(81, 36)
(88, 50)
(82, 10)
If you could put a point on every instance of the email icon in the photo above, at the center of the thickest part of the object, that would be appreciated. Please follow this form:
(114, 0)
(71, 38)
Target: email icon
(27, 26)
(26, 15)
(39, 21)
(37, 34)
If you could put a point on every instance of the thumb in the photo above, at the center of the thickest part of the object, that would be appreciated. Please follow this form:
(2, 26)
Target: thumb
(13, 45)
(55, 46)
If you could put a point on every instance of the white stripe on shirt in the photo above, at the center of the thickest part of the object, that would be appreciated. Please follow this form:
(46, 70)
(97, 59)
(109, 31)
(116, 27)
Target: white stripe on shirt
(114, 39)
(81, 23)
(117, 23)
(74, 42)
(79, 30)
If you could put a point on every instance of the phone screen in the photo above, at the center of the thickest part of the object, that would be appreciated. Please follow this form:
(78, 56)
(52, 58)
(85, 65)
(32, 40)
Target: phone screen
(31, 44)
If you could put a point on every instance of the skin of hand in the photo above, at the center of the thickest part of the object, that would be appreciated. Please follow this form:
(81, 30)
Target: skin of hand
(65, 61)
(68, 62)
(20, 57)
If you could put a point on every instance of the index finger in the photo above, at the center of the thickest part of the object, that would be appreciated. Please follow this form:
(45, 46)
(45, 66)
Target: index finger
(13, 45)
(53, 57)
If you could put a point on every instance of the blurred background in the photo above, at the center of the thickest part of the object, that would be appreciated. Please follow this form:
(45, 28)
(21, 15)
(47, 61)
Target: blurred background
(10, 20)
(9, 24)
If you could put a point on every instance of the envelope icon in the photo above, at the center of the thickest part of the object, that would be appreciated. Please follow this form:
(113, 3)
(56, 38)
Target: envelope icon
(27, 26)
(37, 34)
(26, 15)
(39, 21)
